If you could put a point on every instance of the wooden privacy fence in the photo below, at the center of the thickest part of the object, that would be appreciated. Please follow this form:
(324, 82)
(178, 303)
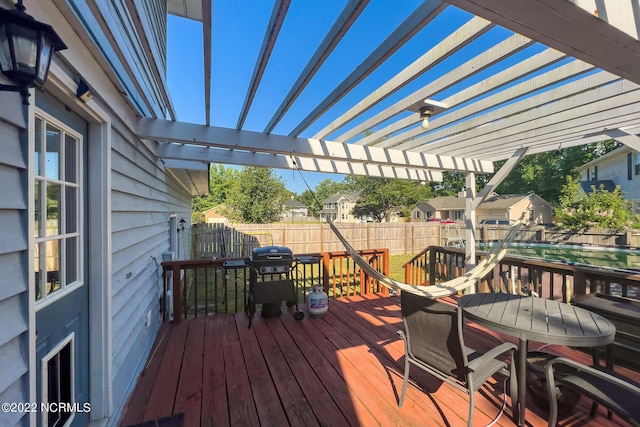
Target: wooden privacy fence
(221, 240)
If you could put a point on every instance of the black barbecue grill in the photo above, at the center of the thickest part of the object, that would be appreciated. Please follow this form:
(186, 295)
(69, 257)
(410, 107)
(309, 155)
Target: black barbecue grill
(271, 282)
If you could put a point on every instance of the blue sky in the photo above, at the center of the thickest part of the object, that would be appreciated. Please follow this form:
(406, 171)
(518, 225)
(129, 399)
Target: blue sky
(238, 29)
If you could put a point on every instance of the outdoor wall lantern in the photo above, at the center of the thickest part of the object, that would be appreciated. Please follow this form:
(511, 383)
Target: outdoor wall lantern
(181, 224)
(26, 49)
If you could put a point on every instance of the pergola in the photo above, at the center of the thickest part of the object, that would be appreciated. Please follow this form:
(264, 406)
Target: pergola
(566, 74)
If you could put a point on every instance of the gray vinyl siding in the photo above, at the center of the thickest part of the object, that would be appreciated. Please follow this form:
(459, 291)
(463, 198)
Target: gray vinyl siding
(614, 167)
(142, 198)
(14, 316)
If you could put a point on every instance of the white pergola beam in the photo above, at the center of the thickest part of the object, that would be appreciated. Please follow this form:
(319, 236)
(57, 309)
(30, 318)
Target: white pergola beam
(278, 14)
(189, 133)
(563, 138)
(454, 42)
(489, 57)
(420, 17)
(498, 177)
(517, 71)
(567, 28)
(347, 17)
(487, 106)
(177, 154)
(532, 114)
(629, 139)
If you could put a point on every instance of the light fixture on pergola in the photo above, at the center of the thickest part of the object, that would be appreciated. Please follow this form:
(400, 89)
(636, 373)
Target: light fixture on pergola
(427, 108)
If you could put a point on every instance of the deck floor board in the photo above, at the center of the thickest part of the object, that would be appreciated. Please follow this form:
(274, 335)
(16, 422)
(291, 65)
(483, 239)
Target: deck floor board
(343, 369)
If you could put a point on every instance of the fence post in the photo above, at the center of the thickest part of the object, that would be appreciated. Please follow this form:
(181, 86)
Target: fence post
(385, 251)
(579, 282)
(407, 273)
(432, 267)
(325, 271)
(194, 237)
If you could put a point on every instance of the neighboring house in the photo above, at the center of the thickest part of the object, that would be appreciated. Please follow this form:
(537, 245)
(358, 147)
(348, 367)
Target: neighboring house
(88, 211)
(620, 167)
(532, 208)
(294, 209)
(339, 206)
(439, 208)
(216, 215)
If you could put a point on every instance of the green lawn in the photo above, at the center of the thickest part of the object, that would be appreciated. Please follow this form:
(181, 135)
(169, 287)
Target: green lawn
(396, 271)
(230, 289)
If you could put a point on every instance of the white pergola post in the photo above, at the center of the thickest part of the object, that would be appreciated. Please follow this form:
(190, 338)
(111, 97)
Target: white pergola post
(470, 219)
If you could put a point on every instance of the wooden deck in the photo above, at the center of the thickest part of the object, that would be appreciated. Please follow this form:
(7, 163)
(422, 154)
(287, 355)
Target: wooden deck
(342, 370)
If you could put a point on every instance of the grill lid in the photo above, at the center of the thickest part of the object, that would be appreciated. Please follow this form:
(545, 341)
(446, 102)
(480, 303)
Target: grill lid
(272, 254)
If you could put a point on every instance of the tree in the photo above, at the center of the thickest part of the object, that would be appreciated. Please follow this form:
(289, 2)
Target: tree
(221, 180)
(326, 188)
(545, 173)
(381, 198)
(598, 208)
(257, 196)
(454, 182)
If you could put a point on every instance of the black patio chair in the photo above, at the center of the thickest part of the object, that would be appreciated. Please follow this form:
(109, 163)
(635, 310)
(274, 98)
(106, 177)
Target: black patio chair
(433, 341)
(618, 394)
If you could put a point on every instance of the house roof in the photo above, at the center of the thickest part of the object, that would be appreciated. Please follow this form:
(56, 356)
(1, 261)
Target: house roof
(457, 203)
(447, 203)
(349, 197)
(607, 184)
(504, 201)
(215, 209)
(620, 151)
(293, 204)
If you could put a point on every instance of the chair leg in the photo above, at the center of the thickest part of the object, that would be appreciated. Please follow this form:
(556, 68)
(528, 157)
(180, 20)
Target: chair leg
(471, 408)
(404, 382)
(553, 408)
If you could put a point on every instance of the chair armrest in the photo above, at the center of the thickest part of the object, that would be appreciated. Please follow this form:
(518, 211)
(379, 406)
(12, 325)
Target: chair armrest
(491, 354)
(596, 372)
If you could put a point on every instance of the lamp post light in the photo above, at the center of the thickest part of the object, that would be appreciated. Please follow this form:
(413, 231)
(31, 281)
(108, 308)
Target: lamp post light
(26, 49)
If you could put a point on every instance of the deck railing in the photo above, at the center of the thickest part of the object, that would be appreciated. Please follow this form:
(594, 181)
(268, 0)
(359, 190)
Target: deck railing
(548, 279)
(204, 287)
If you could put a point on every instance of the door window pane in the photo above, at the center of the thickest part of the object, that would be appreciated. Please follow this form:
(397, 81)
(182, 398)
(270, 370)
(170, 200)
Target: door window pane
(38, 270)
(38, 148)
(71, 260)
(71, 210)
(37, 222)
(70, 159)
(52, 283)
(52, 166)
(53, 209)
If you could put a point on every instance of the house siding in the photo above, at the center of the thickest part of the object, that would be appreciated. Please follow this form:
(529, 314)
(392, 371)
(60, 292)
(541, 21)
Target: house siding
(14, 307)
(143, 196)
(615, 168)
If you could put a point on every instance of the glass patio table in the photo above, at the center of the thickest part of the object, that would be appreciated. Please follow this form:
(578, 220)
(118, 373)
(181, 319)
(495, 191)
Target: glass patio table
(536, 319)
